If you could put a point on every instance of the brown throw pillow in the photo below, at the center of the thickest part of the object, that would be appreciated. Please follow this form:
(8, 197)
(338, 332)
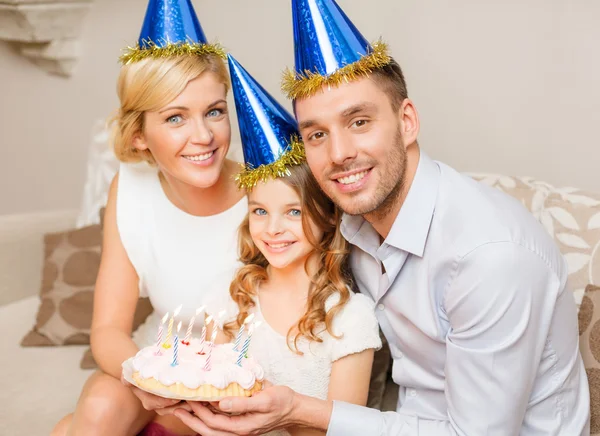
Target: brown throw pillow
(589, 345)
(71, 262)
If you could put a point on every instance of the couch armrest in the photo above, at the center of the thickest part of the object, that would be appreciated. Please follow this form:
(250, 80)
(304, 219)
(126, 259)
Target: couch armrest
(22, 250)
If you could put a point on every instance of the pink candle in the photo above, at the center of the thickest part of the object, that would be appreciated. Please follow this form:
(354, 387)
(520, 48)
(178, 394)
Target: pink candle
(188, 335)
(207, 363)
(160, 330)
(206, 323)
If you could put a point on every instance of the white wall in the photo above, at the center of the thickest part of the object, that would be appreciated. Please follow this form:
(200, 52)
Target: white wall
(501, 86)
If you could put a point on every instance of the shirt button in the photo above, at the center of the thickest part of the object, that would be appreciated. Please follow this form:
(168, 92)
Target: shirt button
(412, 393)
(380, 306)
(399, 355)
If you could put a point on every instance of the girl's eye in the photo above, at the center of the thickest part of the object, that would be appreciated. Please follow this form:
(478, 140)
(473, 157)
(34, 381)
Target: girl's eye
(259, 211)
(295, 212)
(214, 113)
(175, 119)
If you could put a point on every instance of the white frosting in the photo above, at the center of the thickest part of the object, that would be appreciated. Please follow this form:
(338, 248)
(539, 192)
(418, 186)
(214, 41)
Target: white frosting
(190, 366)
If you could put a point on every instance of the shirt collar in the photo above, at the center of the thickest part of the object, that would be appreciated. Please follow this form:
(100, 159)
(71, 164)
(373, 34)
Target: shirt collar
(411, 226)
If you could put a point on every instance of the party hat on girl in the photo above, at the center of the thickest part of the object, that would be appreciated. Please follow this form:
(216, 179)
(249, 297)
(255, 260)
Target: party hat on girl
(270, 139)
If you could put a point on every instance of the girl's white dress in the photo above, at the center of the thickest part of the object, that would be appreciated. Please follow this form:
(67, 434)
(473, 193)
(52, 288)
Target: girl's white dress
(309, 373)
(180, 258)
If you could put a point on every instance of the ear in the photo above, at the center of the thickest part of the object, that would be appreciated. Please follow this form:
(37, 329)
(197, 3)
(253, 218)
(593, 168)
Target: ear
(139, 142)
(409, 121)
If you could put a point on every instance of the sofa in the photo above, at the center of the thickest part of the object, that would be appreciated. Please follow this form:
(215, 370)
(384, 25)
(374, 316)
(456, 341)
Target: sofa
(41, 384)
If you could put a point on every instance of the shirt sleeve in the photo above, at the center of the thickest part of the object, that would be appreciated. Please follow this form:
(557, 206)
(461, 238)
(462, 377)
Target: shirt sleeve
(357, 327)
(499, 306)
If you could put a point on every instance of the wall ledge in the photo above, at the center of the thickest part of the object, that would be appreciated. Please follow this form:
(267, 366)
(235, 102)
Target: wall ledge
(45, 31)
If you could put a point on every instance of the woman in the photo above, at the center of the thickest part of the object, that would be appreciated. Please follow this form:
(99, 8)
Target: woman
(172, 214)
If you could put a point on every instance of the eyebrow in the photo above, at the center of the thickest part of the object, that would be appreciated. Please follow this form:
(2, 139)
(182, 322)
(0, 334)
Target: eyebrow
(170, 108)
(357, 108)
(256, 203)
(184, 108)
(346, 113)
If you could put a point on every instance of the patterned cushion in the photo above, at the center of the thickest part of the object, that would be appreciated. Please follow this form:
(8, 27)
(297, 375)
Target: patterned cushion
(589, 345)
(570, 215)
(71, 262)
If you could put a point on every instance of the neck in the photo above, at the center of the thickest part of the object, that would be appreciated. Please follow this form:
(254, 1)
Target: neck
(293, 279)
(203, 201)
(383, 218)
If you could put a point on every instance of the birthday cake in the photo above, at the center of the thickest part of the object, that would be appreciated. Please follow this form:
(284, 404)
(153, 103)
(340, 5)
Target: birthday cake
(201, 371)
(195, 369)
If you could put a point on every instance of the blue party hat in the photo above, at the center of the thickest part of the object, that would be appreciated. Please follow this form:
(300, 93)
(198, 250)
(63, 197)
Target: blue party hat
(270, 139)
(329, 49)
(171, 28)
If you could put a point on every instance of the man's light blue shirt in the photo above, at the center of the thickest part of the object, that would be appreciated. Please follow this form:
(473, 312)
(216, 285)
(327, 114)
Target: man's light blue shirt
(472, 295)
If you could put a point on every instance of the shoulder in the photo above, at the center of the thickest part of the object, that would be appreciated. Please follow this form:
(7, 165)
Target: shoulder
(358, 311)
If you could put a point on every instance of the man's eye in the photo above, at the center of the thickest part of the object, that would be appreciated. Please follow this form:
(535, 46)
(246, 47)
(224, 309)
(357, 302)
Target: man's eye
(175, 119)
(360, 123)
(316, 136)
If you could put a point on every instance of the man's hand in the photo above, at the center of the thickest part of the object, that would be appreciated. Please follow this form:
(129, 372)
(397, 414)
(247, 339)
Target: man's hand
(162, 406)
(265, 411)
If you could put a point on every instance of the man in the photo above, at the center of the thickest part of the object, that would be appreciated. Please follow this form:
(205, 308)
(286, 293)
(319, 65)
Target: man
(469, 289)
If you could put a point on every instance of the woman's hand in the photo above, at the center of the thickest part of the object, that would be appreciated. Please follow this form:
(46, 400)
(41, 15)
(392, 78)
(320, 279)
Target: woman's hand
(160, 405)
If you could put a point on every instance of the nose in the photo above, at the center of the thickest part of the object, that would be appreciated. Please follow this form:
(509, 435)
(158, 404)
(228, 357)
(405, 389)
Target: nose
(274, 225)
(201, 134)
(341, 148)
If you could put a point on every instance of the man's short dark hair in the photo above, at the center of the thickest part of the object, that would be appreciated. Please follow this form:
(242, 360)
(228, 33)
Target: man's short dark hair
(390, 80)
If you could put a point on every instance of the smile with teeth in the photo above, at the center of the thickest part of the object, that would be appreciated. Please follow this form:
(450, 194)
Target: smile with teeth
(200, 157)
(353, 178)
(279, 245)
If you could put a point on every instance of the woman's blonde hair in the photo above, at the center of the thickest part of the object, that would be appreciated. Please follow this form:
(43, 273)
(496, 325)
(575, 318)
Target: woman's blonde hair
(148, 85)
(331, 276)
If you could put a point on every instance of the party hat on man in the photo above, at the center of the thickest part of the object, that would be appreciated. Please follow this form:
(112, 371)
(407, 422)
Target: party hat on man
(329, 49)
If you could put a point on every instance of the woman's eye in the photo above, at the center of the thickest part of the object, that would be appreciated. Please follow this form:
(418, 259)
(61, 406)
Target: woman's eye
(295, 212)
(259, 211)
(214, 113)
(175, 119)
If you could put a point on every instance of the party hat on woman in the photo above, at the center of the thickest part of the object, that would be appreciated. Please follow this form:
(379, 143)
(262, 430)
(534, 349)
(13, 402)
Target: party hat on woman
(171, 28)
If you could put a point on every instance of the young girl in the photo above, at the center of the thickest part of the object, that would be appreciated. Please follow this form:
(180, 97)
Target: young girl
(172, 212)
(310, 332)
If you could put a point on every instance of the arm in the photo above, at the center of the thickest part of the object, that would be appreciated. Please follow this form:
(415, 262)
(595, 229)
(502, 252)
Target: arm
(115, 297)
(349, 382)
(499, 306)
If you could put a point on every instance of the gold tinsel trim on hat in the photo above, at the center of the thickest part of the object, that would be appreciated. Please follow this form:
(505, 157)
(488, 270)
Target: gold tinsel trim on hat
(152, 50)
(301, 85)
(249, 177)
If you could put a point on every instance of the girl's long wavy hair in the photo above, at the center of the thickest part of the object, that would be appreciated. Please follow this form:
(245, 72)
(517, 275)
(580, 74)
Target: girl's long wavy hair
(332, 273)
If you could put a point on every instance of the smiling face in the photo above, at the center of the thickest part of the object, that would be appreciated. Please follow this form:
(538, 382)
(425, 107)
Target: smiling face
(189, 137)
(356, 144)
(275, 224)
